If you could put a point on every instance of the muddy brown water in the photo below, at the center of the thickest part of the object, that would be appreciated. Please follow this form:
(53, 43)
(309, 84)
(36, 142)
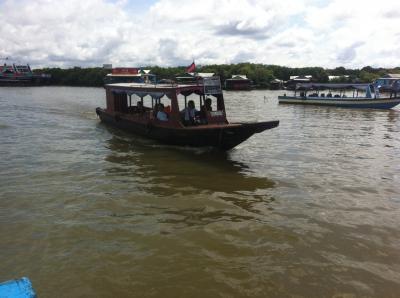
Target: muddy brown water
(309, 209)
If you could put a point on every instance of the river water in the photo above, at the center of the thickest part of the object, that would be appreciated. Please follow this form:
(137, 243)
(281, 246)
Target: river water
(309, 209)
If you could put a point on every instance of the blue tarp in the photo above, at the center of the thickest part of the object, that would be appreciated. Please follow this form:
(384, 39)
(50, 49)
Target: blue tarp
(17, 288)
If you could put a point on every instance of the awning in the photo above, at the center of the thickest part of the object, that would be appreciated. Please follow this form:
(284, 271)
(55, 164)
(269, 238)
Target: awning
(154, 90)
(322, 86)
(139, 93)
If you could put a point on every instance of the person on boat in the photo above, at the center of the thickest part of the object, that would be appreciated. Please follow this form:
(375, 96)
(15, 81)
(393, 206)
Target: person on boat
(204, 109)
(155, 109)
(189, 113)
(207, 106)
(161, 115)
(139, 107)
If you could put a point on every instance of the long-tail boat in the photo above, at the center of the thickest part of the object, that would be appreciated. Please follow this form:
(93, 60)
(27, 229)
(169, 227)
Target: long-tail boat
(209, 127)
(343, 95)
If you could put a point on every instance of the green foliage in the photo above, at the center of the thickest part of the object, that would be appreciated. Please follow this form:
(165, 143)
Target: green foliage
(260, 74)
(76, 76)
(366, 76)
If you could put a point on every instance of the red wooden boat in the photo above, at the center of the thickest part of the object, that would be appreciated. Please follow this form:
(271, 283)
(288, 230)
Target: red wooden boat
(209, 127)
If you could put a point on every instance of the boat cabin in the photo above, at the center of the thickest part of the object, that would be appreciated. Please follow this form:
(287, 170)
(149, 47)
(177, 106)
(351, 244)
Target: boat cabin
(331, 90)
(168, 105)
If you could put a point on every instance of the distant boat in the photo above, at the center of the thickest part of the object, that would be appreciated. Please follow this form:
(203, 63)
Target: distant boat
(207, 127)
(21, 75)
(337, 95)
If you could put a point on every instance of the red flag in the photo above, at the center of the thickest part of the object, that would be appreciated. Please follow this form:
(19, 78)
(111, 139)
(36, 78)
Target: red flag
(191, 67)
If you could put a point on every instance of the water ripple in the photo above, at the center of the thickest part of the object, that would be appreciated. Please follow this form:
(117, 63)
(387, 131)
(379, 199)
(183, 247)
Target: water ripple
(309, 209)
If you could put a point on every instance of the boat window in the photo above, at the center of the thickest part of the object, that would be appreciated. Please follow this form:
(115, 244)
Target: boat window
(201, 114)
(139, 104)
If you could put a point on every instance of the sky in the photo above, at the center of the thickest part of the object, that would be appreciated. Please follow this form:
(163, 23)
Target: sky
(294, 33)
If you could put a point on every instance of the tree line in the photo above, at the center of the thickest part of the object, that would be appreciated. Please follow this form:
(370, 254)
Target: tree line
(260, 74)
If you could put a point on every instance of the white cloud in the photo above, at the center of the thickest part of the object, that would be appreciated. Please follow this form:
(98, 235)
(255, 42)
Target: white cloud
(356, 33)
(62, 32)
(173, 32)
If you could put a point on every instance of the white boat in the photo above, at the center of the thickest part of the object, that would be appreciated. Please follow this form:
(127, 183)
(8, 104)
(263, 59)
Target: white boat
(342, 95)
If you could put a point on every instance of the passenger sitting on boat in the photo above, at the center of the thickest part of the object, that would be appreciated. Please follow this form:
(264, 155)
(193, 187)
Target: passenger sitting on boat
(207, 105)
(155, 109)
(161, 115)
(139, 107)
(189, 113)
(204, 109)
(329, 95)
(337, 95)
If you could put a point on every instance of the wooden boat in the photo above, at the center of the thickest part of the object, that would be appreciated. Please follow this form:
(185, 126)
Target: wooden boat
(207, 128)
(311, 94)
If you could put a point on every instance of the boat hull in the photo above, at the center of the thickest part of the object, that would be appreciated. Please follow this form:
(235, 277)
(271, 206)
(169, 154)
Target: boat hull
(29, 81)
(223, 137)
(372, 103)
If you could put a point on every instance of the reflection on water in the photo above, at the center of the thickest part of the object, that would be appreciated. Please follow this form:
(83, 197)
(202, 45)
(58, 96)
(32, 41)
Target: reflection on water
(185, 172)
(180, 169)
(309, 209)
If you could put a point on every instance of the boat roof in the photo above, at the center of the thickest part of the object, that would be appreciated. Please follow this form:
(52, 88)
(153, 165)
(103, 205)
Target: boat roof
(129, 75)
(155, 90)
(322, 86)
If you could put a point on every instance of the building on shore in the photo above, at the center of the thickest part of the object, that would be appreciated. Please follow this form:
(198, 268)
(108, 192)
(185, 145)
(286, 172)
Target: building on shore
(238, 82)
(129, 75)
(193, 77)
(12, 74)
(276, 84)
(388, 82)
(293, 80)
(343, 78)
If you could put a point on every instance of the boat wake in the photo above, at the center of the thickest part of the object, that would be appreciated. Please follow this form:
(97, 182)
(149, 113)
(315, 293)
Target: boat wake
(196, 150)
